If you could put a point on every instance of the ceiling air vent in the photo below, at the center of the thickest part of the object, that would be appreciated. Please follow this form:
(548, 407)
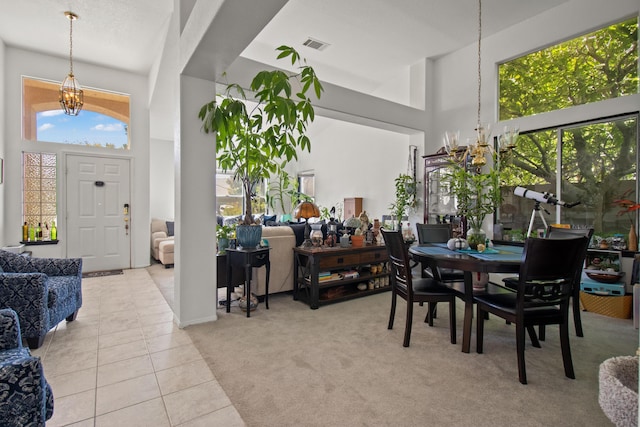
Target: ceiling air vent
(315, 44)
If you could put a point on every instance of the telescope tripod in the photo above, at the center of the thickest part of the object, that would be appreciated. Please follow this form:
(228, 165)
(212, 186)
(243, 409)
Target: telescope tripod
(537, 208)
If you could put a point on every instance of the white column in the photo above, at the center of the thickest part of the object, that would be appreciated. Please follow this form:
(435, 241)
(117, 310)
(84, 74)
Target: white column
(195, 242)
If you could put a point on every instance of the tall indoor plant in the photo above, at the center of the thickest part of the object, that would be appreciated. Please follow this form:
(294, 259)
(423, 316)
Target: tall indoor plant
(477, 194)
(406, 199)
(256, 143)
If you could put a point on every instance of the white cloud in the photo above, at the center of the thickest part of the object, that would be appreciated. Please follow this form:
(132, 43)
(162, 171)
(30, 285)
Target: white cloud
(45, 126)
(51, 113)
(117, 127)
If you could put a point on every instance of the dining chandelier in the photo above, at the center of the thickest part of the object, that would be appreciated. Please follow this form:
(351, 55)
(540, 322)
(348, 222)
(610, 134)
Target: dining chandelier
(481, 149)
(71, 96)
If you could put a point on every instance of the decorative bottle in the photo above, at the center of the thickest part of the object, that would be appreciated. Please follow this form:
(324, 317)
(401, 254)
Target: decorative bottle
(25, 232)
(39, 231)
(32, 234)
(54, 231)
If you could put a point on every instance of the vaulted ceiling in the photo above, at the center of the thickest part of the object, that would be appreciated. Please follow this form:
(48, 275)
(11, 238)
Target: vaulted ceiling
(370, 41)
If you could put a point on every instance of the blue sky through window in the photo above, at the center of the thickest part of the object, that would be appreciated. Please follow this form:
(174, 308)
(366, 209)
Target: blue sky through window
(87, 128)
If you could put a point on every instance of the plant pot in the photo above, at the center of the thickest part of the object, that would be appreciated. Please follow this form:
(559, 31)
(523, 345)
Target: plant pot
(223, 244)
(357, 241)
(248, 236)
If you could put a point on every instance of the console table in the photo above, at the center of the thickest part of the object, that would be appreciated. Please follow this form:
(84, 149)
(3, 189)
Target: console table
(248, 258)
(340, 264)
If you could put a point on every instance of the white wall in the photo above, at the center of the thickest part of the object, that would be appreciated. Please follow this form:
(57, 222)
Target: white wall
(3, 139)
(455, 92)
(162, 181)
(20, 63)
(352, 160)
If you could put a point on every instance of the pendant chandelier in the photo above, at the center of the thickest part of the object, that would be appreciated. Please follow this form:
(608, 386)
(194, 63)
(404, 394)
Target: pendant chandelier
(71, 95)
(481, 149)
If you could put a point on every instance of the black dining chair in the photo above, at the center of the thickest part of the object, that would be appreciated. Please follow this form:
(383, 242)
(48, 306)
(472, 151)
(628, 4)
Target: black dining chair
(414, 289)
(438, 233)
(545, 285)
(563, 233)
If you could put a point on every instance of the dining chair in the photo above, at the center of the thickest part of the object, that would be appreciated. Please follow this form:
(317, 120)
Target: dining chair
(438, 233)
(545, 285)
(414, 289)
(563, 233)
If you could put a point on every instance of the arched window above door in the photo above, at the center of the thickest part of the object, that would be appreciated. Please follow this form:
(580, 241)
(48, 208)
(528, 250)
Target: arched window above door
(103, 121)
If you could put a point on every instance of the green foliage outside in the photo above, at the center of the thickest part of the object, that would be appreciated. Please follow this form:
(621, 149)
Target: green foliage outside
(598, 159)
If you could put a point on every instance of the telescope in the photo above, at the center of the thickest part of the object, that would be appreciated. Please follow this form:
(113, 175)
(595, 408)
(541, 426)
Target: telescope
(545, 197)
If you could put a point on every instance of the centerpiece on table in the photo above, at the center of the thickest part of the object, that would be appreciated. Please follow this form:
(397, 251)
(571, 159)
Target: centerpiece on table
(257, 143)
(477, 194)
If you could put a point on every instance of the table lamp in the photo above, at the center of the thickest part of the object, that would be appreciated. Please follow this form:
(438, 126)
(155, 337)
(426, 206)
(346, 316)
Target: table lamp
(306, 210)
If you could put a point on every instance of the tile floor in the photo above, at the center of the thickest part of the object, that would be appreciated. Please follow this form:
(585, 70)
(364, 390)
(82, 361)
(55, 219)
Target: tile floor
(123, 362)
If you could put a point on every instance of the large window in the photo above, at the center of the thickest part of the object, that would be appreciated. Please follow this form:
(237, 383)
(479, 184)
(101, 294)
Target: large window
(102, 122)
(594, 67)
(592, 163)
(230, 198)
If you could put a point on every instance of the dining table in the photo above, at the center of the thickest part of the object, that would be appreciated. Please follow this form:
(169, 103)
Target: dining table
(493, 259)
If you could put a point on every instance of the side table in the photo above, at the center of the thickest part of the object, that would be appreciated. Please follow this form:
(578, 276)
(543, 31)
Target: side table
(248, 258)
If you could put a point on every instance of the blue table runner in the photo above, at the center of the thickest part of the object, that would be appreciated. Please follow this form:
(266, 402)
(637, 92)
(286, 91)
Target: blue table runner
(498, 253)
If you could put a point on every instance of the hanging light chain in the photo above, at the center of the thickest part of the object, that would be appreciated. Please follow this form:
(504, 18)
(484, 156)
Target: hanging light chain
(71, 19)
(479, 56)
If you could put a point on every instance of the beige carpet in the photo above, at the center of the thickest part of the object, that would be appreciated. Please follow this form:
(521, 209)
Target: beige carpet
(340, 366)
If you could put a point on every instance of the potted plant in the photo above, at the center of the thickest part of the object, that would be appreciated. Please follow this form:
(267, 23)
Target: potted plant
(256, 143)
(406, 199)
(477, 194)
(224, 233)
(282, 190)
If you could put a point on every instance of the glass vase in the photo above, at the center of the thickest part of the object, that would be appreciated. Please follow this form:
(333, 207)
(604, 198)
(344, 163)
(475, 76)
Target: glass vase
(316, 235)
(476, 236)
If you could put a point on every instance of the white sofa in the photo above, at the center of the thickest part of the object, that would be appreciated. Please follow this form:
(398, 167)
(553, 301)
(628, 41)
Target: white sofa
(161, 243)
(281, 240)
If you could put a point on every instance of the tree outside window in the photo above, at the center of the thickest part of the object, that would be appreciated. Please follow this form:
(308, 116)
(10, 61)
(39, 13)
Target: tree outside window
(593, 162)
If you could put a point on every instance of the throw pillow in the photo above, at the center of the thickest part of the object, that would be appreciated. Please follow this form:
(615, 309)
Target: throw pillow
(170, 225)
(298, 230)
(269, 219)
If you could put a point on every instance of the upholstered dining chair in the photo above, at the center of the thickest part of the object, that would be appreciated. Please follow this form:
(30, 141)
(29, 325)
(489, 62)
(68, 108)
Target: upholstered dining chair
(563, 233)
(438, 233)
(545, 285)
(414, 289)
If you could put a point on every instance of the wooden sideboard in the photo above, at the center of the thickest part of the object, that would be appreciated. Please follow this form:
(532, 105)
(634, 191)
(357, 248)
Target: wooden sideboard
(341, 264)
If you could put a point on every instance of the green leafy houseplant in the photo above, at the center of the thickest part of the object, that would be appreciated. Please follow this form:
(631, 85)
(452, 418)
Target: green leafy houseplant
(406, 199)
(224, 233)
(477, 193)
(257, 143)
(282, 190)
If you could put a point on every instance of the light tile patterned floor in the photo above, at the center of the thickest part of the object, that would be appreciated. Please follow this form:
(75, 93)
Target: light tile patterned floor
(123, 362)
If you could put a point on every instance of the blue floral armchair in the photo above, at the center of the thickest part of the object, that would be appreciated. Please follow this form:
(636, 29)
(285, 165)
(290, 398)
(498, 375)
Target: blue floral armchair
(26, 398)
(43, 291)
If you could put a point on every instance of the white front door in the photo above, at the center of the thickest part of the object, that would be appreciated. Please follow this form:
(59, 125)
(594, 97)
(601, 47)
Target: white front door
(97, 221)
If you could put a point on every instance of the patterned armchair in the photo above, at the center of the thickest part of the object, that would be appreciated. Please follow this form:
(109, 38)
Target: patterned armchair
(43, 291)
(26, 398)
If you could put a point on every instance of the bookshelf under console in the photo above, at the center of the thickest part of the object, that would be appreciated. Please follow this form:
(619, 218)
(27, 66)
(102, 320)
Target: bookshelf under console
(326, 275)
